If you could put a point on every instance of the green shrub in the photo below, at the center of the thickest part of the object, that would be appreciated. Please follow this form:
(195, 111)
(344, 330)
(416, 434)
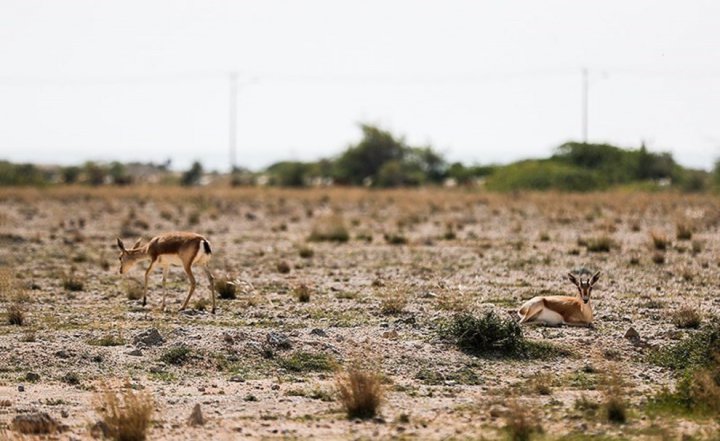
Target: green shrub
(308, 362)
(485, 334)
(178, 355)
(543, 175)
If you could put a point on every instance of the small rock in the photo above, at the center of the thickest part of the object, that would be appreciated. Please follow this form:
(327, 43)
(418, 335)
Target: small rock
(21, 388)
(227, 338)
(236, 379)
(632, 334)
(151, 337)
(196, 417)
(62, 354)
(32, 377)
(278, 340)
(319, 332)
(135, 352)
(392, 334)
(275, 387)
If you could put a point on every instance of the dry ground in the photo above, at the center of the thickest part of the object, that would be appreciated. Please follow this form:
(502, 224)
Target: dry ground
(463, 252)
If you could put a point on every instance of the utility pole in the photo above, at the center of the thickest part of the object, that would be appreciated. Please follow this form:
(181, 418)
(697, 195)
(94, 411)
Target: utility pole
(585, 105)
(232, 126)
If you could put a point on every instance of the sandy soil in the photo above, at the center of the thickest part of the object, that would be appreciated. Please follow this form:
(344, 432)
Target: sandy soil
(464, 252)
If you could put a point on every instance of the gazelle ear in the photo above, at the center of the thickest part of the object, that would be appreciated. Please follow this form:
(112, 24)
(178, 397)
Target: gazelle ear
(595, 278)
(137, 243)
(573, 279)
(120, 244)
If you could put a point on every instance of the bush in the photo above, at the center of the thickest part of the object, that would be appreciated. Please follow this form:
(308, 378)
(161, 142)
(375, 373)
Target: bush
(178, 355)
(361, 393)
(226, 289)
(543, 175)
(485, 334)
(687, 317)
(520, 424)
(308, 362)
(126, 416)
(330, 229)
(302, 293)
(15, 315)
(601, 244)
(696, 351)
(393, 302)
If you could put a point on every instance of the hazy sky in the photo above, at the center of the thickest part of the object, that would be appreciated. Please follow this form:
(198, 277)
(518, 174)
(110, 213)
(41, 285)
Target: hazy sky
(482, 81)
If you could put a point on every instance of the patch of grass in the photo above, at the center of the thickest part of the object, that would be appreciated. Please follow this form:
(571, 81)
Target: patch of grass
(330, 229)
(126, 415)
(308, 362)
(133, 289)
(395, 239)
(696, 351)
(393, 302)
(177, 356)
(201, 304)
(72, 282)
(302, 293)
(683, 231)
(520, 423)
(615, 404)
(306, 252)
(107, 340)
(226, 289)
(687, 317)
(659, 240)
(15, 314)
(542, 383)
(601, 244)
(360, 392)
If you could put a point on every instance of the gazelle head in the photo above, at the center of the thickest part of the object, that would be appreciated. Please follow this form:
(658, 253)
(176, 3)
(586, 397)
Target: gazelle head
(128, 258)
(584, 286)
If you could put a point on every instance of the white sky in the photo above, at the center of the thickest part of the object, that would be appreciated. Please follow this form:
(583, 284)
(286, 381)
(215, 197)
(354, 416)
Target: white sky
(482, 81)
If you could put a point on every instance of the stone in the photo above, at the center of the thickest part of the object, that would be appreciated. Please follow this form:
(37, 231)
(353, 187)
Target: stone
(278, 340)
(632, 334)
(196, 417)
(318, 332)
(32, 377)
(151, 337)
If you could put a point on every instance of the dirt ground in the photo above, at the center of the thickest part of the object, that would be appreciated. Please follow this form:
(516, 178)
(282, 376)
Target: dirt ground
(263, 366)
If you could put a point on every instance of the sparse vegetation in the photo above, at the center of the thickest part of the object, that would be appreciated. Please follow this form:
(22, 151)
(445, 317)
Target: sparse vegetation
(225, 288)
(686, 317)
(361, 392)
(330, 229)
(72, 282)
(126, 415)
(601, 244)
(302, 293)
(15, 314)
(659, 240)
(178, 355)
(520, 424)
(393, 301)
(308, 362)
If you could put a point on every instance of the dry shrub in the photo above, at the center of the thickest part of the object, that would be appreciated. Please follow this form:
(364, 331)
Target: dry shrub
(283, 267)
(133, 289)
(683, 232)
(226, 288)
(615, 403)
(330, 229)
(361, 393)
(393, 302)
(520, 423)
(15, 314)
(72, 282)
(302, 293)
(687, 317)
(660, 240)
(35, 424)
(126, 414)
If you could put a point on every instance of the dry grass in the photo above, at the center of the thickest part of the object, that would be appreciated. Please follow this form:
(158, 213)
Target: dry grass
(330, 229)
(393, 302)
(687, 317)
(615, 403)
(361, 393)
(15, 314)
(126, 414)
(659, 240)
(683, 231)
(225, 287)
(302, 293)
(520, 423)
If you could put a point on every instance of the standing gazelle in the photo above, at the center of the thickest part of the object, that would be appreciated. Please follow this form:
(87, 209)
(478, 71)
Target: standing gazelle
(558, 310)
(178, 248)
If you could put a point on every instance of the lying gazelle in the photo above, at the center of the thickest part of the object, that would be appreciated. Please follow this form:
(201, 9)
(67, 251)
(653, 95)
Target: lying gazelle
(559, 310)
(178, 248)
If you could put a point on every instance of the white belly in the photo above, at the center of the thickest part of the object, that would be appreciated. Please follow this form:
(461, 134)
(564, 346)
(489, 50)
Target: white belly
(549, 317)
(169, 259)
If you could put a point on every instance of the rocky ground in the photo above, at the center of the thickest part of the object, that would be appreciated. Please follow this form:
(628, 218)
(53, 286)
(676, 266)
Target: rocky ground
(264, 366)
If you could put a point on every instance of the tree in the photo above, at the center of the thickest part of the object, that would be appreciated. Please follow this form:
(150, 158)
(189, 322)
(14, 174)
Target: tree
(193, 175)
(365, 159)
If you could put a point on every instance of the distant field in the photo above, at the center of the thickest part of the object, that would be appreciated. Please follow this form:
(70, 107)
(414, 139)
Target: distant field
(328, 279)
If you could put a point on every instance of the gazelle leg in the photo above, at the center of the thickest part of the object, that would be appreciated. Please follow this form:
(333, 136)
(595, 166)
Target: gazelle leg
(147, 274)
(531, 315)
(165, 273)
(191, 278)
(211, 279)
